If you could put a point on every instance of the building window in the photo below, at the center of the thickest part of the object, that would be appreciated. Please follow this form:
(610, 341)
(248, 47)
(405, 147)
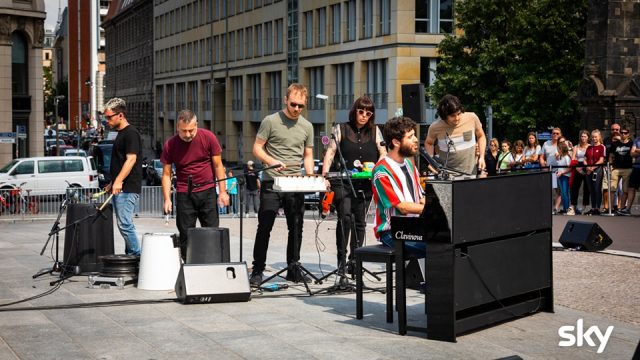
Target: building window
(254, 92)
(292, 41)
(159, 99)
(240, 45)
(193, 96)
(268, 38)
(171, 96)
(335, 23)
(344, 86)
(377, 82)
(223, 47)
(206, 87)
(279, 36)
(350, 29)
(384, 27)
(237, 95)
(19, 65)
(434, 16)
(275, 90)
(259, 39)
(232, 42)
(367, 19)
(181, 96)
(322, 27)
(308, 29)
(249, 32)
(316, 86)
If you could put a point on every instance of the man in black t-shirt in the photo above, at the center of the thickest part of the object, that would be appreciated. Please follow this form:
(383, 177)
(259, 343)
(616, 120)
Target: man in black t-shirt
(126, 172)
(253, 189)
(621, 163)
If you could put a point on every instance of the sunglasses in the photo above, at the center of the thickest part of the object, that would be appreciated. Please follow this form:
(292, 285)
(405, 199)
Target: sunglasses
(108, 117)
(296, 105)
(363, 112)
(555, 133)
(624, 132)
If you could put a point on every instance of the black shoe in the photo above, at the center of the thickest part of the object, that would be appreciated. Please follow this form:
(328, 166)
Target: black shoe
(351, 268)
(295, 275)
(256, 279)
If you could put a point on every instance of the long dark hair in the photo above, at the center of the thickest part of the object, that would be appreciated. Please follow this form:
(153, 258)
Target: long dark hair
(363, 102)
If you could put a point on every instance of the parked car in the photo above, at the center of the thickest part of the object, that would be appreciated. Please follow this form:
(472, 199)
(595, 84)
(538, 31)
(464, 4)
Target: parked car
(49, 175)
(102, 154)
(74, 152)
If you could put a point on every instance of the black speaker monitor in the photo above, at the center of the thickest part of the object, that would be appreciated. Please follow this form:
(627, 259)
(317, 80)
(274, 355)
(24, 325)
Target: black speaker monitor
(208, 245)
(89, 239)
(413, 105)
(584, 236)
(213, 283)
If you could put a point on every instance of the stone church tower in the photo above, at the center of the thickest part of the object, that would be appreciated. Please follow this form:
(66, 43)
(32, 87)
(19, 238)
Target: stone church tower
(610, 89)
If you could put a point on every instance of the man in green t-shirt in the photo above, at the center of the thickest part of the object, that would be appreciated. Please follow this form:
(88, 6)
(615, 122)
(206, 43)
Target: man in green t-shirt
(284, 140)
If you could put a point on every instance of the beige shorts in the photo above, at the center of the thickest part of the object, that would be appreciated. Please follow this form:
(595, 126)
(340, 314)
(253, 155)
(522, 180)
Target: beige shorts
(620, 174)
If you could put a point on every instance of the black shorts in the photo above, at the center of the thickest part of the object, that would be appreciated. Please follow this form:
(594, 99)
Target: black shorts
(634, 180)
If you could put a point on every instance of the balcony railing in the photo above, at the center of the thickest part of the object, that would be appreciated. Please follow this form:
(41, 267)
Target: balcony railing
(254, 104)
(275, 103)
(236, 104)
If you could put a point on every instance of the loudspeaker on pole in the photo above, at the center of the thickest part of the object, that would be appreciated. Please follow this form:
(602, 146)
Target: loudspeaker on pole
(213, 283)
(584, 236)
(413, 105)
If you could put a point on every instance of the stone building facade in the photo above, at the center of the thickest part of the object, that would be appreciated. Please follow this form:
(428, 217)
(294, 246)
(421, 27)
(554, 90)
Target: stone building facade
(129, 67)
(21, 97)
(610, 90)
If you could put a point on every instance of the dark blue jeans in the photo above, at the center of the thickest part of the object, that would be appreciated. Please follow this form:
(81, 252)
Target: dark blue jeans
(270, 202)
(197, 206)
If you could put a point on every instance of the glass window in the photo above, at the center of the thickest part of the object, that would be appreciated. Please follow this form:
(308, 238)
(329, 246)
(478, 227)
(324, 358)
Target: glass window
(19, 64)
(308, 28)
(335, 24)
(322, 27)
(279, 36)
(367, 19)
(25, 168)
(384, 27)
(350, 31)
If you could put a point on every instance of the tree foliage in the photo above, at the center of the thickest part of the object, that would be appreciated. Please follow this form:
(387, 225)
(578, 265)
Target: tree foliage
(525, 58)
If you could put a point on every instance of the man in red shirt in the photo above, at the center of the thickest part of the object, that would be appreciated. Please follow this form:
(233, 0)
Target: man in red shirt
(196, 154)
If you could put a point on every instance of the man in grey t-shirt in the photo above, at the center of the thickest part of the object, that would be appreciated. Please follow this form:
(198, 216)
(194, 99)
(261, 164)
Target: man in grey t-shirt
(284, 140)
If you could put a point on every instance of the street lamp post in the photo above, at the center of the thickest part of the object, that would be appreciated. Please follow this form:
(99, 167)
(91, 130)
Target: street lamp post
(325, 99)
(55, 100)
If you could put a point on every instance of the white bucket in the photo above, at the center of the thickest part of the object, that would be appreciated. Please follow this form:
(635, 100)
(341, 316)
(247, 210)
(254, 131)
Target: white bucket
(159, 262)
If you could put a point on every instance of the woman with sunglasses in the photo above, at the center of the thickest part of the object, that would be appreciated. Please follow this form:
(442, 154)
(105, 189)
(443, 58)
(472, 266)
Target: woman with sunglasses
(491, 157)
(621, 165)
(360, 142)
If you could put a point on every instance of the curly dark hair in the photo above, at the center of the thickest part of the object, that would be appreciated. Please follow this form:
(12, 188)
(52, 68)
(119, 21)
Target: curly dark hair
(396, 128)
(363, 102)
(449, 105)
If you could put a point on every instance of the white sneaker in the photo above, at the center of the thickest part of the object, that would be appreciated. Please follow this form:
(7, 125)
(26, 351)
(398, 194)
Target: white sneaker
(570, 211)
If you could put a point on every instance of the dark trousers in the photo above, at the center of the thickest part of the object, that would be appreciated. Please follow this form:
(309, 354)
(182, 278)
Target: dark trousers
(197, 206)
(352, 210)
(251, 198)
(594, 182)
(578, 180)
(270, 202)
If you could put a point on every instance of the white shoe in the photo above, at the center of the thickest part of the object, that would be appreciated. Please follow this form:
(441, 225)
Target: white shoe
(570, 211)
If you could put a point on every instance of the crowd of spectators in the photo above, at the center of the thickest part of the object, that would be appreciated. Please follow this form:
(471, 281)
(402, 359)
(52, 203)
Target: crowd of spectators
(589, 164)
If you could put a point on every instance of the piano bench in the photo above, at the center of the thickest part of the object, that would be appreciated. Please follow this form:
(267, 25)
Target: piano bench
(380, 254)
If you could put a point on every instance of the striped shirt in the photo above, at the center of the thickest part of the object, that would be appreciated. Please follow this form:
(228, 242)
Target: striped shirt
(390, 188)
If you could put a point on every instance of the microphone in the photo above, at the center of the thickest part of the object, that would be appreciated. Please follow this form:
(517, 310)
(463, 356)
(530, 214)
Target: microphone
(425, 155)
(449, 141)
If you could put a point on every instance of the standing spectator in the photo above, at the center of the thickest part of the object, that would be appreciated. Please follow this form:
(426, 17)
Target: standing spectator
(548, 158)
(563, 174)
(595, 155)
(578, 176)
(614, 135)
(621, 164)
(518, 155)
(253, 189)
(196, 154)
(634, 179)
(491, 157)
(126, 172)
(506, 157)
(284, 139)
(532, 151)
(232, 190)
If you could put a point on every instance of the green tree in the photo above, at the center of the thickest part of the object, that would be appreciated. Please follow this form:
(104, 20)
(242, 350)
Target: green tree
(525, 58)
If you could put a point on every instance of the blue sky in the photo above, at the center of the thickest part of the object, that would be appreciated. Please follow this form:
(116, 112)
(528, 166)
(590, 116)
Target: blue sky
(51, 7)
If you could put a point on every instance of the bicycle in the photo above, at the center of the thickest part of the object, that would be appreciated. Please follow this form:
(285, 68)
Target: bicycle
(16, 202)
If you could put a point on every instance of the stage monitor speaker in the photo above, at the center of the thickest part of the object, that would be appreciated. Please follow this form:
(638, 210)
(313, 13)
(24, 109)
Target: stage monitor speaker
(213, 283)
(584, 236)
(413, 105)
(208, 245)
(87, 241)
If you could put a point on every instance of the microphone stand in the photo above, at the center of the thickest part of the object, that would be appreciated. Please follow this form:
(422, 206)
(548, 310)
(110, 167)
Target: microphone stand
(340, 286)
(241, 189)
(443, 170)
(55, 230)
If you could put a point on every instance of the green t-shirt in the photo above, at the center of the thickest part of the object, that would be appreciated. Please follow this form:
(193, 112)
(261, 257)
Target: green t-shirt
(286, 140)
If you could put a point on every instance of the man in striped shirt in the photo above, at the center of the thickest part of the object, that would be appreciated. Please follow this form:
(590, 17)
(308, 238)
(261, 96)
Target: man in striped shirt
(396, 185)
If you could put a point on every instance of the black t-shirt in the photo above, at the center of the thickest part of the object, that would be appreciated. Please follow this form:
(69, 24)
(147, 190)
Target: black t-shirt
(621, 152)
(127, 142)
(252, 181)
